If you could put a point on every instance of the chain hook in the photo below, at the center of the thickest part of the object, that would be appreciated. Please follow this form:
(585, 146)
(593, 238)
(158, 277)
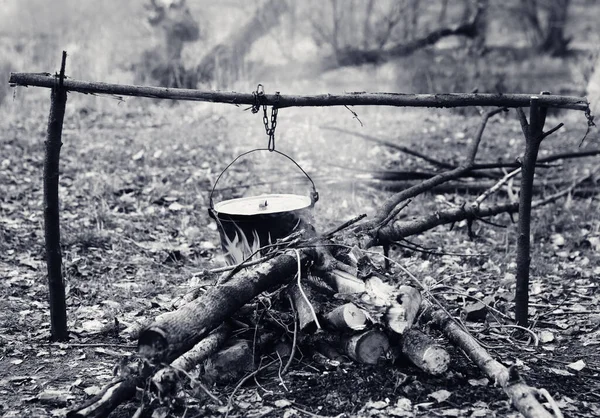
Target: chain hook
(271, 124)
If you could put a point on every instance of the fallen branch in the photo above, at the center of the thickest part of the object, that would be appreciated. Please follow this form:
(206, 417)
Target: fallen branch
(393, 145)
(522, 396)
(426, 185)
(109, 398)
(124, 388)
(404, 228)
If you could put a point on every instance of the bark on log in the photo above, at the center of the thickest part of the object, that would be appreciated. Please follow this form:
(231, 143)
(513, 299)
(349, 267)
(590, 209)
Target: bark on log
(176, 332)
(394, 307)
(308, 306)
(424, 352)
(282, 101)
(404, 316)
(193, 357)
(523, 397)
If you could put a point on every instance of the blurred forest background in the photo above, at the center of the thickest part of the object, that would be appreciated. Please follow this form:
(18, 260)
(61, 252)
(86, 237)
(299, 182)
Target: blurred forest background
(310, 46)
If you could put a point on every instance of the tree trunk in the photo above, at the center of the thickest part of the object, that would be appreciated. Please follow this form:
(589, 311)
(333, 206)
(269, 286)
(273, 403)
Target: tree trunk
(555, 43)
(224, 63)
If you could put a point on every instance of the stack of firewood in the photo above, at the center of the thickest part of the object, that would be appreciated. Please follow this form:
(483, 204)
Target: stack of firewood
(335, 305)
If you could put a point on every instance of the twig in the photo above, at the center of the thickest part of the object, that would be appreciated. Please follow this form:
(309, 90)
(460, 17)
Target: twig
(536, 340)
(244, 380)
(312, 309)
(355, 115)
(555, 408)
(295, 337)
(551, 131)
(200, 384)
(495, 187)
(419, 248)
(345, 225)
(393, 145)
(279, 374)
(394, 213)
(91, 345)
(566, 191)
(590, 312)
(312, 414)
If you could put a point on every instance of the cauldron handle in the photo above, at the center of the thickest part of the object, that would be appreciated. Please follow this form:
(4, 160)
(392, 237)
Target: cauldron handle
(314, 196)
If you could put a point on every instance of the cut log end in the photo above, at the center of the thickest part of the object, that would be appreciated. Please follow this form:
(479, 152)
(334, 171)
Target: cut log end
(151, 341)
(436, 360)
(367, 347)
(347, 316)
(424, 352)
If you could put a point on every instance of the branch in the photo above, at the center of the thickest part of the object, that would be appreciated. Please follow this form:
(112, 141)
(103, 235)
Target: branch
(417, 189)
(496, 187)
(523, 397)
(402, 229)
(282, 101)
(393, 145)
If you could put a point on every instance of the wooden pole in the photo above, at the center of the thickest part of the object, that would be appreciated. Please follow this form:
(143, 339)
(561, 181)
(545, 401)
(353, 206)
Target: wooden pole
(534, 135)
(56, 287)
(281, 101)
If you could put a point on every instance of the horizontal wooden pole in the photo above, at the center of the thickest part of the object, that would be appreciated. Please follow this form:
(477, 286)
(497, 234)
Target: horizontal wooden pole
(281, 101)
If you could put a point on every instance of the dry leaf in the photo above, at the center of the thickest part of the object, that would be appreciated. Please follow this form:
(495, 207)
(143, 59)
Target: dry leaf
(577, 366)
(440, 395)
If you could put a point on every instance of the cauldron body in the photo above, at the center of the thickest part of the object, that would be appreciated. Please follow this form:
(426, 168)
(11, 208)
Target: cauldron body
(265, 218)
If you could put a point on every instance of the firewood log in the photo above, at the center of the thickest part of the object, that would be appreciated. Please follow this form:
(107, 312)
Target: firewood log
(308, 306)
(347, 317)
(165, 380)
(424, 352)
(178, 331)
(230, 364)
(394, 307)
(368, 347)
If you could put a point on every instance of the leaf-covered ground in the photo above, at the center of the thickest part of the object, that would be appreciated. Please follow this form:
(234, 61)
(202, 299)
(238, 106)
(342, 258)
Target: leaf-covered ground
(135, 183)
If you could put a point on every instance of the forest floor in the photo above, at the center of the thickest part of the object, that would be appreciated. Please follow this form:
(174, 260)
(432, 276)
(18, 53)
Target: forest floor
(135, 183)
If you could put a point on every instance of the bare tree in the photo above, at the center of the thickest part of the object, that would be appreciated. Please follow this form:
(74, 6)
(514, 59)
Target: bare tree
(546, 22)
(175, 26)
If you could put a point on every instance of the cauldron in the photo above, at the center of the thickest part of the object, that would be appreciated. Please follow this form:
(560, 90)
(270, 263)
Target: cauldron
(248, 224)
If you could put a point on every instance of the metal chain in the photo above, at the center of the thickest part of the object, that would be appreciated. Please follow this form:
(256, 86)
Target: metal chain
(590, 123)
(259, 95)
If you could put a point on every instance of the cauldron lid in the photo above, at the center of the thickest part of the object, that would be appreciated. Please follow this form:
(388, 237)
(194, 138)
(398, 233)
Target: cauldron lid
(263, 204)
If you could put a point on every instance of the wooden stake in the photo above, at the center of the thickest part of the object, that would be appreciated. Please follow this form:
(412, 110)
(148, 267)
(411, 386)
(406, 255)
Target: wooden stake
(534, 135)
(56, 286)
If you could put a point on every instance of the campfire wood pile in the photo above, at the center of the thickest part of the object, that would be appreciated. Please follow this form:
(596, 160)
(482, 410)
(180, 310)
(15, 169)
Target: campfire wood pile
(325, 296)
